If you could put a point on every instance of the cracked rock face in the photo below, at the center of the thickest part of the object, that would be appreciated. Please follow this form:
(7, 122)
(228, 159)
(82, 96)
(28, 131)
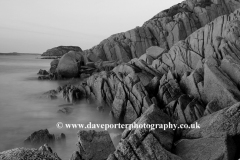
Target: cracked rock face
(93, 145)
(226, 120)
(72, 94)
(217, 85)
(186, 110)
(212, 147)
(216, 39)
(144, 143)
(169, 90)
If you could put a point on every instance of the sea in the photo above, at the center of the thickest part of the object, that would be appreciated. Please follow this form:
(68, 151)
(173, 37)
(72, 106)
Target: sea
(24, 109)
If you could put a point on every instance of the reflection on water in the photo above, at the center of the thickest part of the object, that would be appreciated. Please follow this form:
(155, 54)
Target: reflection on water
(23, 110)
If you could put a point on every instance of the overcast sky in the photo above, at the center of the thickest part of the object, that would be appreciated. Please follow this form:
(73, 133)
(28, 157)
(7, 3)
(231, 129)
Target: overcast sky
(33, 26)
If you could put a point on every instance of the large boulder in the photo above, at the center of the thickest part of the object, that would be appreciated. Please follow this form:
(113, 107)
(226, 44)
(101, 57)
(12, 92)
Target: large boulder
(69, 64)
(94, 145)
(61, 50)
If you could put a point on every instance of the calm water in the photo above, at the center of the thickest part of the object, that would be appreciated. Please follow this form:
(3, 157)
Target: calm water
(23, 110)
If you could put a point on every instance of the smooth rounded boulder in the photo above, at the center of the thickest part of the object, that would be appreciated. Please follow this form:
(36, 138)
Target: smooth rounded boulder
(69, 64)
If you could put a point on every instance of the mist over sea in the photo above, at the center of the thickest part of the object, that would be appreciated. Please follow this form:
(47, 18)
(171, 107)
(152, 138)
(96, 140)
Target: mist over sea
(23, 110)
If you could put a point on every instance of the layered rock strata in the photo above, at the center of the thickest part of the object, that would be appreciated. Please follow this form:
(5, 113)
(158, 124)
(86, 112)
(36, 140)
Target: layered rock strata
(165, 29)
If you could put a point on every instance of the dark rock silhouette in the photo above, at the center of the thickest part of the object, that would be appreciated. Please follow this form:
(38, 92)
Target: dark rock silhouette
(61, 50)
(43, 136)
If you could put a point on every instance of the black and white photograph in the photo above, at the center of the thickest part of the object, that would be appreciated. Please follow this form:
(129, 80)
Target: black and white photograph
(119, 79)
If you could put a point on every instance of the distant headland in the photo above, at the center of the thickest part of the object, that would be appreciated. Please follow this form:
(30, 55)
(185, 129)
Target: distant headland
(17, 53)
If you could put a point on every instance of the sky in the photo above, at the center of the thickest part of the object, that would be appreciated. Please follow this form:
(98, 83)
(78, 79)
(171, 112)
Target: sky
(33, 26)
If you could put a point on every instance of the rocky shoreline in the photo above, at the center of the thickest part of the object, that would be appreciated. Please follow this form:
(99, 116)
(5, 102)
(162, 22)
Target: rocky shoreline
(182, 67)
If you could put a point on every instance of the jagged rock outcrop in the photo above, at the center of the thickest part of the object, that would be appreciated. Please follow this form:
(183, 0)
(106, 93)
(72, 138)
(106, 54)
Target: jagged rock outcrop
(169, 90)
(122, 46)
(117, 87)
(209, 54)
(216, 139)
(122, 89)
(191, 83)
(61, 50)
(209, 80)
(216, 39)
(43, 136)
(130, 88)
(190, 73)
(144, 143)
(219, 86)
(185, 109)
(165, 29)
(44, 152)
(71, 93)
(93, 145)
